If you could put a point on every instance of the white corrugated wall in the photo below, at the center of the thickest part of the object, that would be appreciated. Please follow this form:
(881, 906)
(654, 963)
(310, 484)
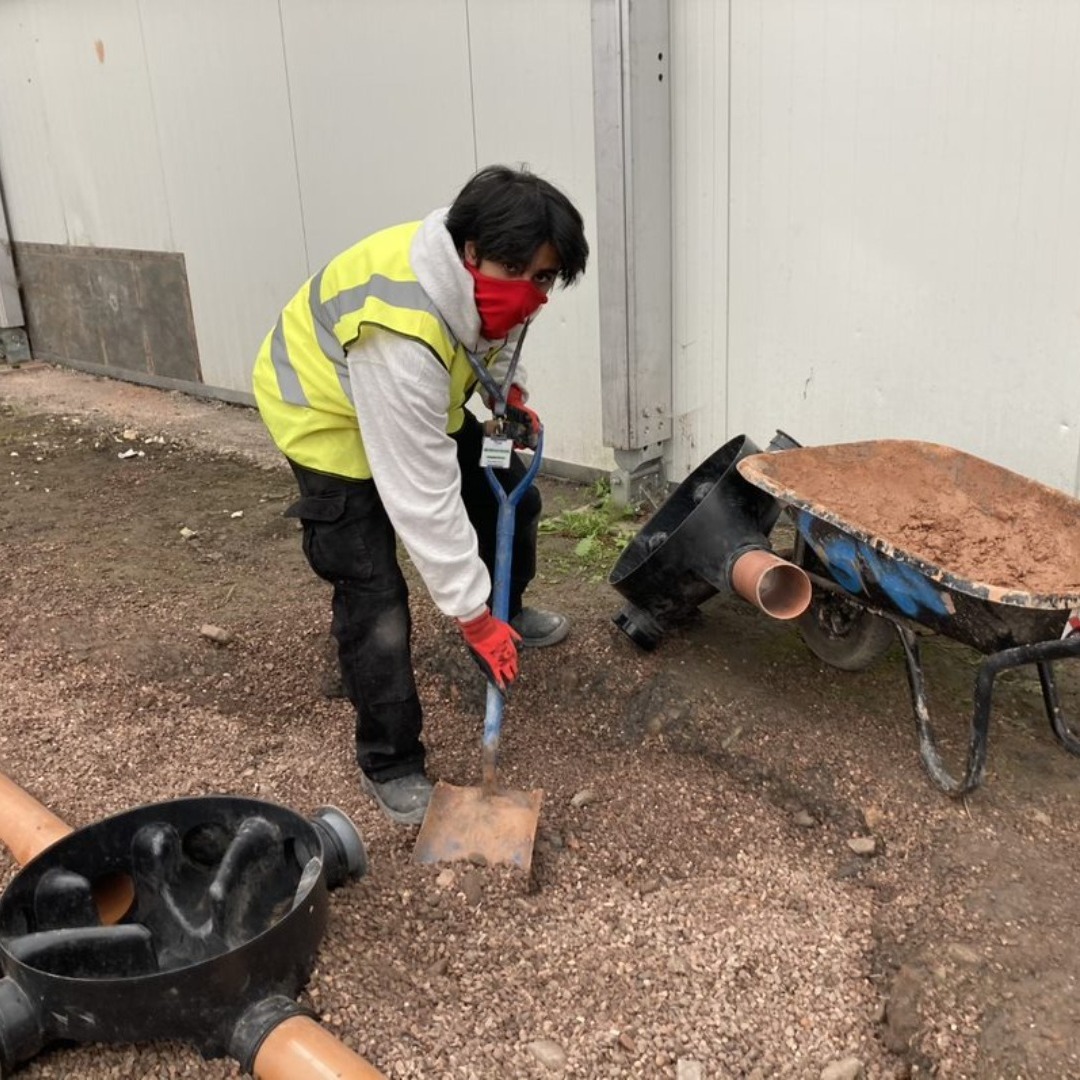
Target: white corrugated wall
(260, 137)
(877, 225)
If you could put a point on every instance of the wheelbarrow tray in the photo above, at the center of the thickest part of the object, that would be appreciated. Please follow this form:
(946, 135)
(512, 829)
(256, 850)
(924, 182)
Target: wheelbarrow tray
(972, 550)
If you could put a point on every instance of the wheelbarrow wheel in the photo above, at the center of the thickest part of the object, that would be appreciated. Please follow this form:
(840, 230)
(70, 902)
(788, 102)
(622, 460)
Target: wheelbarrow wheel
(843, 634)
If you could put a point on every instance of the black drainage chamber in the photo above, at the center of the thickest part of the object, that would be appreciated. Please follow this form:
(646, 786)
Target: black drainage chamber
(229, 906)
(683, 555)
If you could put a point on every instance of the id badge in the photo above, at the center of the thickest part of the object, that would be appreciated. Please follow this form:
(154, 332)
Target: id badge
(496, 452)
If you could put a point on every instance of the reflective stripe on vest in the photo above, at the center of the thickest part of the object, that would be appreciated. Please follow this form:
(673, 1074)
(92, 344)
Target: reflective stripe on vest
(301, 377)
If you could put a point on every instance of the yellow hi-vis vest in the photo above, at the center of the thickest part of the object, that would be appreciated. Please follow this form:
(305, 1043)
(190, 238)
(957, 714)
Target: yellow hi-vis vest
(301, 377)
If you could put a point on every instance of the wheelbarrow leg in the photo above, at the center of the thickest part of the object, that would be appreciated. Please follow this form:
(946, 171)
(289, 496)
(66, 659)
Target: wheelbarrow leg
(928, 750)
(1039, 654)
(1053, 705)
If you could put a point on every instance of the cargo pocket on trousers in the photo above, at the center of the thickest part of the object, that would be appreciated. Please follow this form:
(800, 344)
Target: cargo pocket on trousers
(333, 542)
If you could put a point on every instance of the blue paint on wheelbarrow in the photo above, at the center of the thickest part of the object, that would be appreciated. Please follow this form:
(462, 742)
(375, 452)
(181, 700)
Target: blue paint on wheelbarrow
(857, 567)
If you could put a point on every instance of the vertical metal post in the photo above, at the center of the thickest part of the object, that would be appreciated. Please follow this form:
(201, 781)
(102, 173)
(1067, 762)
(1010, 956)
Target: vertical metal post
(13, 344)
(632, 113)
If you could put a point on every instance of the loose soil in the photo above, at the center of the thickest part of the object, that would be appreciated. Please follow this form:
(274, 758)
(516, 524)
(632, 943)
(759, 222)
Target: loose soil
(967, 516)
(695, 908)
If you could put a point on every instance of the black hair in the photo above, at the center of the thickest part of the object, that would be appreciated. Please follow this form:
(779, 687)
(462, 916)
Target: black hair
(509, 213)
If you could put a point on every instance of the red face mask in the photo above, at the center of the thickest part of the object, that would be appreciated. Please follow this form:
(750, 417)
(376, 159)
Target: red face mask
(503, 303)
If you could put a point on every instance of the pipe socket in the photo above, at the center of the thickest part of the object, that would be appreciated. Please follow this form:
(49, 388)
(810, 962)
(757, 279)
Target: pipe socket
(639, 626)
(344, 854)
(278, 1039)
(21, 1035)
(779, 588)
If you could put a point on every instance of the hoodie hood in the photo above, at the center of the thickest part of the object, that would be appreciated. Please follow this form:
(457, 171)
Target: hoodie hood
(442, 275)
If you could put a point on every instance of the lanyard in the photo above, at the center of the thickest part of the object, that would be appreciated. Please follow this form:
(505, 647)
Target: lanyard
(498, 393)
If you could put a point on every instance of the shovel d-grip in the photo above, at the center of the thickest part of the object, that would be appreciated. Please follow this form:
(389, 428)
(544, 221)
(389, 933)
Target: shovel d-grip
(223, 903)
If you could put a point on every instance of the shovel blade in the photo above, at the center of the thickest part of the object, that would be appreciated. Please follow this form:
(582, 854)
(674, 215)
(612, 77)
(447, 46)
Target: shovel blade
(465, 823)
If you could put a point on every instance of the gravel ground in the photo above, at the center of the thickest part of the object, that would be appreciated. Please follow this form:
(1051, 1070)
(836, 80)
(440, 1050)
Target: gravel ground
(696, 907)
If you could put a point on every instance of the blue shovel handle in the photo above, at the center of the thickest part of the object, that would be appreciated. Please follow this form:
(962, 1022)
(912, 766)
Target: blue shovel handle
(500, 599)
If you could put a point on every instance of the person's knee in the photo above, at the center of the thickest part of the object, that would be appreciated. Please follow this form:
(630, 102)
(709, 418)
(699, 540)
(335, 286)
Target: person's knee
(390, 629)
(375, 621)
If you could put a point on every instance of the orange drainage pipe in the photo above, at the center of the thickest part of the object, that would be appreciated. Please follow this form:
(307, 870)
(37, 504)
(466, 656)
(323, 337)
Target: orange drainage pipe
(779, 588)
(298, 1048)
(27, 828)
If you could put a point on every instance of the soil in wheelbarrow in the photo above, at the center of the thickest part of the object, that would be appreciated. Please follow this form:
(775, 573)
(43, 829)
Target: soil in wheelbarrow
(967, 516)
(741, 869)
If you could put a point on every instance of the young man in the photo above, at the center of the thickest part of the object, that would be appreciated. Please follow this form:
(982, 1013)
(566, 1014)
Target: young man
(363, 384)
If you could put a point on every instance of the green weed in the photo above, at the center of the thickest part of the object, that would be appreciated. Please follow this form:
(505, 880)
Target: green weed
(601, 528)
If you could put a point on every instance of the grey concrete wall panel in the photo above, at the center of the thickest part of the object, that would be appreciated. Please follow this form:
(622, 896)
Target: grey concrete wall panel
(125, 311)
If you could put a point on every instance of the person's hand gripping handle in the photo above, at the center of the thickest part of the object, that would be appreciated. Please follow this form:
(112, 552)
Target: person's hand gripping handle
(527, 419)
(493, 644)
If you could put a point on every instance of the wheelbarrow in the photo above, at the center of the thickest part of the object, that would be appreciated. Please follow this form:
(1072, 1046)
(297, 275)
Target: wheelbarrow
(902, 538)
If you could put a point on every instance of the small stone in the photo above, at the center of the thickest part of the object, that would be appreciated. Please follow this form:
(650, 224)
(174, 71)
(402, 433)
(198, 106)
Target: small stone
(963, 954)
(650, 886)
(215, 634)
(584, 798)
(237, 514)
(549, 1053)
(804, 819)
(863, 845)
(850, 1068)
(688, 1069)
(731, 738)
(439, 968)
(446, 879)
(473, 887)
(187, 533)
(626, 1041)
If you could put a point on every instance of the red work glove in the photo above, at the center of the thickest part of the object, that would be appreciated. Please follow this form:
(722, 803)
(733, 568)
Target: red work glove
(493, 644)
(517, 410)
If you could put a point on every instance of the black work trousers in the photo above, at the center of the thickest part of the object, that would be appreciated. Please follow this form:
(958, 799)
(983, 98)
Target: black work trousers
(349, 542)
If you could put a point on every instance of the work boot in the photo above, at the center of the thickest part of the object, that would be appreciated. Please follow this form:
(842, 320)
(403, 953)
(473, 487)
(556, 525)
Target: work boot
(539, 628)
(404, 800)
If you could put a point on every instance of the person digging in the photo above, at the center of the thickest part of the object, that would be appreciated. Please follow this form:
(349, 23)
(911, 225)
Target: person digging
(363, 384)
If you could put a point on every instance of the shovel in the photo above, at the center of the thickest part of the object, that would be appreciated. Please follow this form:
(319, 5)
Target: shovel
(487, 824)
